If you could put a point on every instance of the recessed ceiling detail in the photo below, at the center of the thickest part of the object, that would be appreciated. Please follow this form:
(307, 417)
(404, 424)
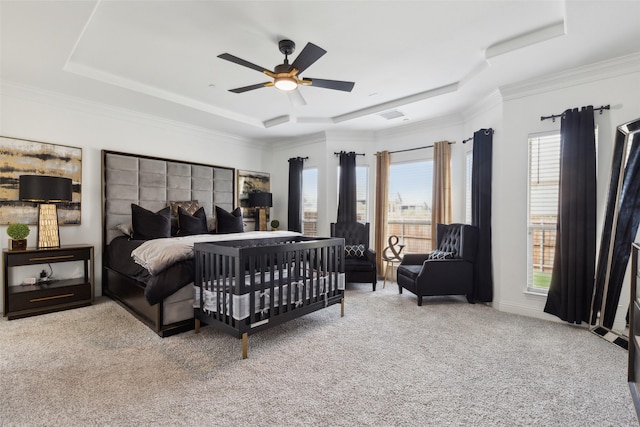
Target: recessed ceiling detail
(159, 58)
(556, 29)
(391, 114)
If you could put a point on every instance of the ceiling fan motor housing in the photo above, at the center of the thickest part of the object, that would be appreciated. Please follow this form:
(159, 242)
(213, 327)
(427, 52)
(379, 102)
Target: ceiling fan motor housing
(287, 47)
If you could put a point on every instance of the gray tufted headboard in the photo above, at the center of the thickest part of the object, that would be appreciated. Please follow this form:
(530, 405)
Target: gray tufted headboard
(153, 182)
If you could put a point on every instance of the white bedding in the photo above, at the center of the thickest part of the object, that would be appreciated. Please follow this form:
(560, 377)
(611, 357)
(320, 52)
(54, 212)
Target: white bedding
(158, 254)
(242, 303)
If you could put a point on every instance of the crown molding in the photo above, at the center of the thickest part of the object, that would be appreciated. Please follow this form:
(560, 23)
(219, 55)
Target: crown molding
(455, 119)
(573, 77)
(282, 144)
(489, 102)
(56, 99)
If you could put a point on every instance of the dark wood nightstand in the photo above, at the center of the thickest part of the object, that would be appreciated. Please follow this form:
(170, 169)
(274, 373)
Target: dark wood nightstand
(51, 295)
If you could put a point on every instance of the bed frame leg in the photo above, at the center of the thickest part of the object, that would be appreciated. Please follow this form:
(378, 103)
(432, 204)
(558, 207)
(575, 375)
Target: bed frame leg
(342, 307)
(197, 328)
(245, 345)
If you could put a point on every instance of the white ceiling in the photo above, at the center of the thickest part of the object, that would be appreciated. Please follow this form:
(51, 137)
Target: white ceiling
(425, 59)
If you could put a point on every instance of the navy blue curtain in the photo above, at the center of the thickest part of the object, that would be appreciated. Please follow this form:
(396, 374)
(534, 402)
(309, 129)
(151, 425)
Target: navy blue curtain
(481, 173)
(294, 218)
(347, 188)
(573, 272)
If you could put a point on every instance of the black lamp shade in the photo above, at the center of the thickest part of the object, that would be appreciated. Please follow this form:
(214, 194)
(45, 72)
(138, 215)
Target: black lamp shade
(260, 200)
(45, 189)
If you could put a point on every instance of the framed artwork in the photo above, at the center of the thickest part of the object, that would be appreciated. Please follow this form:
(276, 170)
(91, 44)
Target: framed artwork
(250, 182)
(24, 157)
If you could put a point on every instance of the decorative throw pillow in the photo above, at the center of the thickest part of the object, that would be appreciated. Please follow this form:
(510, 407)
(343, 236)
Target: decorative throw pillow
(191, 224)
(148, 225)
(126, 229)
(229, 222)
(354, 251)
(191, 206)
(441, 255)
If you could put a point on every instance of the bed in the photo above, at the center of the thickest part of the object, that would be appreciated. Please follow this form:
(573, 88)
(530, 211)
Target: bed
(245, 286)
(162, 278)
(153, 183)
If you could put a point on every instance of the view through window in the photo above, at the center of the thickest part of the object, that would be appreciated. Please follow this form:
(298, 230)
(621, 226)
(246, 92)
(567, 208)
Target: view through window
(310, 202)
(409, 216)
(544, 182)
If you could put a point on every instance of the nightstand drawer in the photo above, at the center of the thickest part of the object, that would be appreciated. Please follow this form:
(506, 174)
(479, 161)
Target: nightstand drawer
(48, 297)
(48, 256)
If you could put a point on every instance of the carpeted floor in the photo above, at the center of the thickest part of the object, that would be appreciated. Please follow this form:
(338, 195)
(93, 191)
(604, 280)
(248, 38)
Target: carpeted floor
(388, 362)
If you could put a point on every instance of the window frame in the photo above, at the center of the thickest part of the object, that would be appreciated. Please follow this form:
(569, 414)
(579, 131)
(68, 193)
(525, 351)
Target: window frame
(303, 210)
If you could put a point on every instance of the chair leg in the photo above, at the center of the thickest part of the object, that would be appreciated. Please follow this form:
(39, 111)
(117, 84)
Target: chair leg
(419, 300)
(470, 299)
(399, 289)
(374, 283)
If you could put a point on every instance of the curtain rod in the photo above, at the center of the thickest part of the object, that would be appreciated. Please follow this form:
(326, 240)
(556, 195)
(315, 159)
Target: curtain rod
(301, 158)
(554, 116)
(486, 132)
(344, 152)
(417, 148)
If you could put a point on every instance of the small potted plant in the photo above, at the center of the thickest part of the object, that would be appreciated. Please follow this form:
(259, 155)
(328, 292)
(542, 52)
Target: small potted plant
(275, 224)
(18, 233)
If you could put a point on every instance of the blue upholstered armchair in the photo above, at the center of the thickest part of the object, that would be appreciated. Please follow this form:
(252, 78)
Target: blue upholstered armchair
(360, 259)
(448, 270)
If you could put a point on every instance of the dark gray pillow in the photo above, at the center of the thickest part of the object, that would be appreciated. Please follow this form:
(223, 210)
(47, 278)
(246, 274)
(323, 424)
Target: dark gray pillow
(191, 224)
(229, 222)
(148, 225)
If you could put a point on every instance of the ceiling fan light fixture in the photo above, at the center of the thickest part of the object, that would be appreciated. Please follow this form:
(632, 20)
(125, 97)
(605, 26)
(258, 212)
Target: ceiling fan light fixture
(286, 84)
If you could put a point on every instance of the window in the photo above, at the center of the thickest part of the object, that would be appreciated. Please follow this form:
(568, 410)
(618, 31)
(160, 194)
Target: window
(362, 192)
(310, 202)
(409, 216)
(467, 194)
(544, 182)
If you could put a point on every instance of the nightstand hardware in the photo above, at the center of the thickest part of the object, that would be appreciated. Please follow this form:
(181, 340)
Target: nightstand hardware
(51, 258)
(50, 298)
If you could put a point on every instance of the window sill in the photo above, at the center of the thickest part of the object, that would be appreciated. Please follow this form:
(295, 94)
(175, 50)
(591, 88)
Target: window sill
(540, 293)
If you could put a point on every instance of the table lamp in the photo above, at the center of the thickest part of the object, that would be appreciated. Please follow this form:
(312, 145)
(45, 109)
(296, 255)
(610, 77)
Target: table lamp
(46, 191)
(261, 201)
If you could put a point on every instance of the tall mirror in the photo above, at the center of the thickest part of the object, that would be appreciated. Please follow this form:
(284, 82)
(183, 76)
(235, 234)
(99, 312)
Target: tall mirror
(609, 306)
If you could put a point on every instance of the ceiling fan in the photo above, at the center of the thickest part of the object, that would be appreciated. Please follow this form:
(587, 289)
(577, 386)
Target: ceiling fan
(285, 76)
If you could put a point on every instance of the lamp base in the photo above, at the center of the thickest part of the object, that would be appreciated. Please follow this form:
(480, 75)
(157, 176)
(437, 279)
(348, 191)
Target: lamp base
(48, 231)
(262, 219)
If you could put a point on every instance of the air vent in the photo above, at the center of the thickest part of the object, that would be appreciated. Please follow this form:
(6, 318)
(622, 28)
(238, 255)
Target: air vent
(391, 114)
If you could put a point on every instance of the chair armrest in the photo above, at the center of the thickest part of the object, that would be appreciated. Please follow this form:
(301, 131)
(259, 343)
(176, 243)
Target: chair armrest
(370, 254)
(414, 259)
(440, 267)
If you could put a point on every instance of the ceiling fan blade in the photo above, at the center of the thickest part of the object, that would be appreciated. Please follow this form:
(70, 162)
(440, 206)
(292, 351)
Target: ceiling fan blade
(296, 98)
(331, 84)
(248, 88)
(240, 61)
(310, 54)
